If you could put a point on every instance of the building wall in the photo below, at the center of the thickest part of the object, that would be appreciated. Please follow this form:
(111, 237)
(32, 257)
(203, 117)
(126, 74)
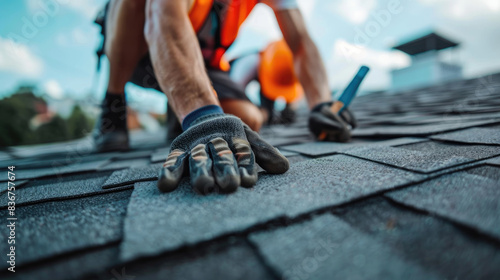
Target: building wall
(426, 69)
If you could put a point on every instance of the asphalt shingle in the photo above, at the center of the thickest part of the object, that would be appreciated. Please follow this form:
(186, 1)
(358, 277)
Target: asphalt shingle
(76, 266)
(486, 171)
(125, 163)
(327, 148)
(87, 184)
(476, 135)
(159, 222)
(467, 199)
(417, 130)
(449, 150)
(53, 228)
(328, 248)
(427, 241)
(419, 161)
(132, 175)
(55, 170)
(233, 259)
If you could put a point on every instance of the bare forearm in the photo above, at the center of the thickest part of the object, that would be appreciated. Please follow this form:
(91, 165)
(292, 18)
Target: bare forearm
(308, 63)
(312, 73)
(176, 56)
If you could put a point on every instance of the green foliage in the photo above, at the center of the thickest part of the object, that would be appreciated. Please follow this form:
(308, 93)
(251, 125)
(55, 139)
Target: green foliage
(78, 125)
(18, 110)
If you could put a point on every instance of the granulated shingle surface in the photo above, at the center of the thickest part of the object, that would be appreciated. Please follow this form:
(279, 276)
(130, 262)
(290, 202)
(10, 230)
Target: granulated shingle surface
(327, 148)
(53, 228)
(442, 222)
(476, 135)
(58, 188)
(426, 241)
(131, 175)
(468, 199)
(413, 160)
(328, 248)
(157, 222)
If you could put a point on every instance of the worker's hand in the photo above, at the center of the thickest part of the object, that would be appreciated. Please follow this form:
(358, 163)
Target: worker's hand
(329, 126)
(219, 153)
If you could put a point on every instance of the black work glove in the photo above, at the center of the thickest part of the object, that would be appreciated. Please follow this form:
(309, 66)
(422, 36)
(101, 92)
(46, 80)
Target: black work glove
(220, 152)
(329, 126)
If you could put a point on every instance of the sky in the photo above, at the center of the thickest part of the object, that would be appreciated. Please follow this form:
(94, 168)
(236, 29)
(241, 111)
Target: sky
(51, 43)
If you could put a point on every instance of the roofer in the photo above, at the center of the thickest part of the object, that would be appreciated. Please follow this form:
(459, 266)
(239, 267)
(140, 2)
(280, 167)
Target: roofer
(273, 68)
(178, 47)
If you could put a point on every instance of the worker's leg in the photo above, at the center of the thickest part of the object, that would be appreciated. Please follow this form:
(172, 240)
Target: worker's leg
(245, 110)
(233, 99)
(124, 46)
(125, 42)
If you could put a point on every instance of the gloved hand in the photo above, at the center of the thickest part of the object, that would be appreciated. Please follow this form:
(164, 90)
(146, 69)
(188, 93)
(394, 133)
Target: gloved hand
(329, 126)
(220, 152)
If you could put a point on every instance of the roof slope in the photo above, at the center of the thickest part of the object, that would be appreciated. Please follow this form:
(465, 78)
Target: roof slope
(415, 195)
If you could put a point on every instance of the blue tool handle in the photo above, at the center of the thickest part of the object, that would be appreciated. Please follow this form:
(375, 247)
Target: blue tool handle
(351, 90)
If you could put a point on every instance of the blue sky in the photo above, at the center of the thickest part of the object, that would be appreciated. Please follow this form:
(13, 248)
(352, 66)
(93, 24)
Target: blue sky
(54, 47)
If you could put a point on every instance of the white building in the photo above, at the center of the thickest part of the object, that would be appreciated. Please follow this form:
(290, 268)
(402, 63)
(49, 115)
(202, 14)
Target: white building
(429, 64)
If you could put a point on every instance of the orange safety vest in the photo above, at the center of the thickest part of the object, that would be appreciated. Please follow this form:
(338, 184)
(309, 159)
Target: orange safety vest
(216, 23)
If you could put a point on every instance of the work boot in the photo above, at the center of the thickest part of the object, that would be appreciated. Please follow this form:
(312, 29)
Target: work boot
(111, 132)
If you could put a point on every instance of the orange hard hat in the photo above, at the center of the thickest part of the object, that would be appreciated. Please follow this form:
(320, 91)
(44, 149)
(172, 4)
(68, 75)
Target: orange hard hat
(277, 75)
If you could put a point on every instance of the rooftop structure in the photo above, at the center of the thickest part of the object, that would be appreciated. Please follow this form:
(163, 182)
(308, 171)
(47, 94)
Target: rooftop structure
(427, 64)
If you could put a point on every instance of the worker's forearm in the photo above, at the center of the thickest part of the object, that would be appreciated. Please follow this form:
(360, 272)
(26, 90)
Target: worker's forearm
(176, 57)
(311, 73)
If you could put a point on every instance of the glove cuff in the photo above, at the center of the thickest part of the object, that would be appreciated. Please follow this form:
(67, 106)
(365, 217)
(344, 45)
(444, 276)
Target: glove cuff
(201, 114)
(318, 107)
(208, 127)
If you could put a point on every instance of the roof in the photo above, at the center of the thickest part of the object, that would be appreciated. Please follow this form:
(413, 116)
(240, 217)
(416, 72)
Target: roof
(428, 42)
(415, 195)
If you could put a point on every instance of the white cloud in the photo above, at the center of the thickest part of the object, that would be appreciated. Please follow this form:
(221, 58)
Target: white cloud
(18, 58)
(53, 89)
(87, 8)
(347, 52)
(307, 8)
(465, 9)
(347, 58)
(355, 11)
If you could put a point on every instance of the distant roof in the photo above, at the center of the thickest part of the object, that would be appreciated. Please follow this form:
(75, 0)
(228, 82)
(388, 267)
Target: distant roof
(431, 41)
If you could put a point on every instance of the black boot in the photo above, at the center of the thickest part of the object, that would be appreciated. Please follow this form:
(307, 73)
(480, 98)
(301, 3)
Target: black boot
(111, 132)
(268, 105)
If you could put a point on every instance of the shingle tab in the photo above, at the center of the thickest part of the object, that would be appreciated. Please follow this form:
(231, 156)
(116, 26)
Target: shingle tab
(428, 241)
(418, 130)
(87, 184)
(76, 266)
(476, 135)
(328, 248)
(159, 222)
(328, 148)
(486, 171)
(53, 228)
(132, 175)
(494, 161)
(125, 163)
(449, 150)
(467, 199)
(229, 260)
(413, 160)
(55, 170)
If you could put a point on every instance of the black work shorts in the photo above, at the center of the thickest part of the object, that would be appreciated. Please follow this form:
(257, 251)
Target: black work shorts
(145, 77)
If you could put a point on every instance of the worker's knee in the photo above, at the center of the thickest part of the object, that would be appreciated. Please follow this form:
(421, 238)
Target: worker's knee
(246, 111)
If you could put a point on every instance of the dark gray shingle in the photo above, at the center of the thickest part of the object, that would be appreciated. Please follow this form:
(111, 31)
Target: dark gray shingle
(159, 222)
(328, 248)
